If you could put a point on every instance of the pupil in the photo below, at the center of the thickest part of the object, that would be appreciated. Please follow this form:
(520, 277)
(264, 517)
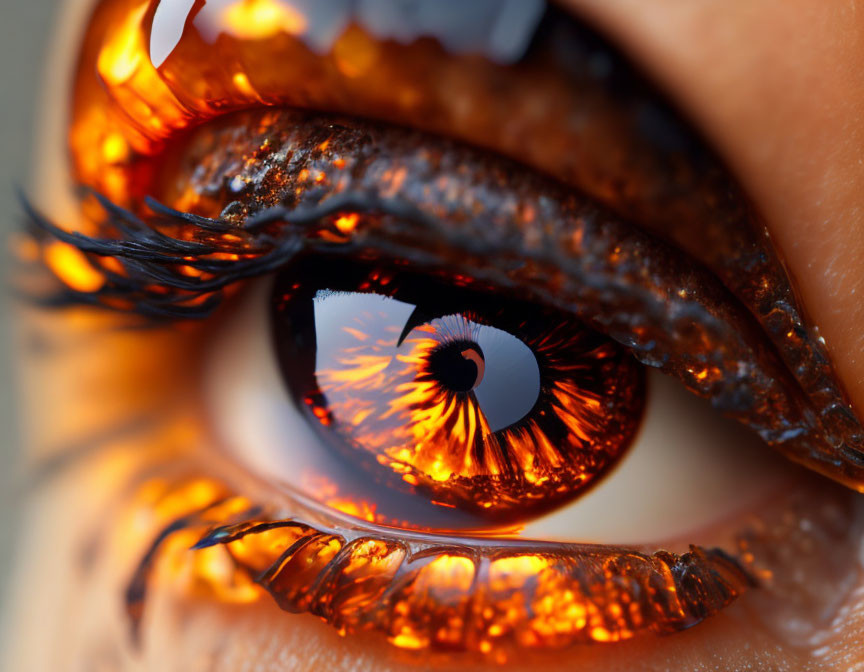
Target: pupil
(455, 365)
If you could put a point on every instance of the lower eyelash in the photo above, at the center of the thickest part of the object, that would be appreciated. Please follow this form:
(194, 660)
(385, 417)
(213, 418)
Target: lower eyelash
(443, 593)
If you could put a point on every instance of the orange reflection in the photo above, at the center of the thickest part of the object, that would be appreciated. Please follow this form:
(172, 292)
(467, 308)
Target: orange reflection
(446, 594)
(347, 223)
(71, 266)
(384, 397)
(259, 19)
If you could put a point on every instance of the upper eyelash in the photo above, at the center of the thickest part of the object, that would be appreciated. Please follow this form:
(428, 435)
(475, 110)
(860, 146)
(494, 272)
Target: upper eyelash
(154, 285)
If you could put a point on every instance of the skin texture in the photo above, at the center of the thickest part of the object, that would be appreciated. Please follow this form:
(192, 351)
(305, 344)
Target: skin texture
(776, 86)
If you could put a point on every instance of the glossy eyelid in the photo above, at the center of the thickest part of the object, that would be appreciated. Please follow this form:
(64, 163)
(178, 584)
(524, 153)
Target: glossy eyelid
(669, 312)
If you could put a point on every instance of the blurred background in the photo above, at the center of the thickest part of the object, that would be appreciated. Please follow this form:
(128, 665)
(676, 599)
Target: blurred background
(25, 27)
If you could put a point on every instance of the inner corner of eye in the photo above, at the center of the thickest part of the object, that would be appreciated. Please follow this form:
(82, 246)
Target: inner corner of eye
(404, 400)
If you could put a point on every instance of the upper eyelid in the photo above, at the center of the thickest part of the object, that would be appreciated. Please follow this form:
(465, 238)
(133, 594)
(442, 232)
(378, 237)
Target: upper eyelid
(699, 203)
(641, 292)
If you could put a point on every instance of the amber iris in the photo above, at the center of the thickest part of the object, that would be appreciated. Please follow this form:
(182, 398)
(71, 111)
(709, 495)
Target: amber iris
(502, 408)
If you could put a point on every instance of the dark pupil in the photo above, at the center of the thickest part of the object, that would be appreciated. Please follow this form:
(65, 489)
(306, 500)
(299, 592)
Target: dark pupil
(452, 368)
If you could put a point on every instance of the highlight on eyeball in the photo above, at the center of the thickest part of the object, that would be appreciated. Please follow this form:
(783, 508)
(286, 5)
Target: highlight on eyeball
(433, 334)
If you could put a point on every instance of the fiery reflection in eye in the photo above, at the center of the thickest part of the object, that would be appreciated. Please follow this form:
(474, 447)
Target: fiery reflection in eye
(500, 408)
(259, 19)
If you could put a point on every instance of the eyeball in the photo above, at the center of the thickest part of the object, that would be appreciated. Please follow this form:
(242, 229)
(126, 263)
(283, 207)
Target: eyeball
(412, 403)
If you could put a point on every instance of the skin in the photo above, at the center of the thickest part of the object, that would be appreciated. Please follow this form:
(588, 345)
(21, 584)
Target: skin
(776, 86)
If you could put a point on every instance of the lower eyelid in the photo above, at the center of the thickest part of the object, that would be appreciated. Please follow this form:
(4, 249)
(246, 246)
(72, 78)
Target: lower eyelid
(442, 593)
(355, 576)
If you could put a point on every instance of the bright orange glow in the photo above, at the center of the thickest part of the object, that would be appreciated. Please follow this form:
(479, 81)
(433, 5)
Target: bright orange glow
(243, 85)
(362, 510)
(125, 68)
(347, 223)
(435, 597)
(121, 58)
(387, 401)
(71, 266)
(190, 496)
(115, 149)
(260, 19)
(214, 571)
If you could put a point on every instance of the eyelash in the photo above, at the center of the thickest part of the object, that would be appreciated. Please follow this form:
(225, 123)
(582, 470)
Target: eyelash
(309, 567)
(154, 284)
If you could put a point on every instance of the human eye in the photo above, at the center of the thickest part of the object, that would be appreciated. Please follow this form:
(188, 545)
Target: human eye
(457, 240)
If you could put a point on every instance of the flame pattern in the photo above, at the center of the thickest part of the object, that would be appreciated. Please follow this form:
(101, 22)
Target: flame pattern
(381, 401)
